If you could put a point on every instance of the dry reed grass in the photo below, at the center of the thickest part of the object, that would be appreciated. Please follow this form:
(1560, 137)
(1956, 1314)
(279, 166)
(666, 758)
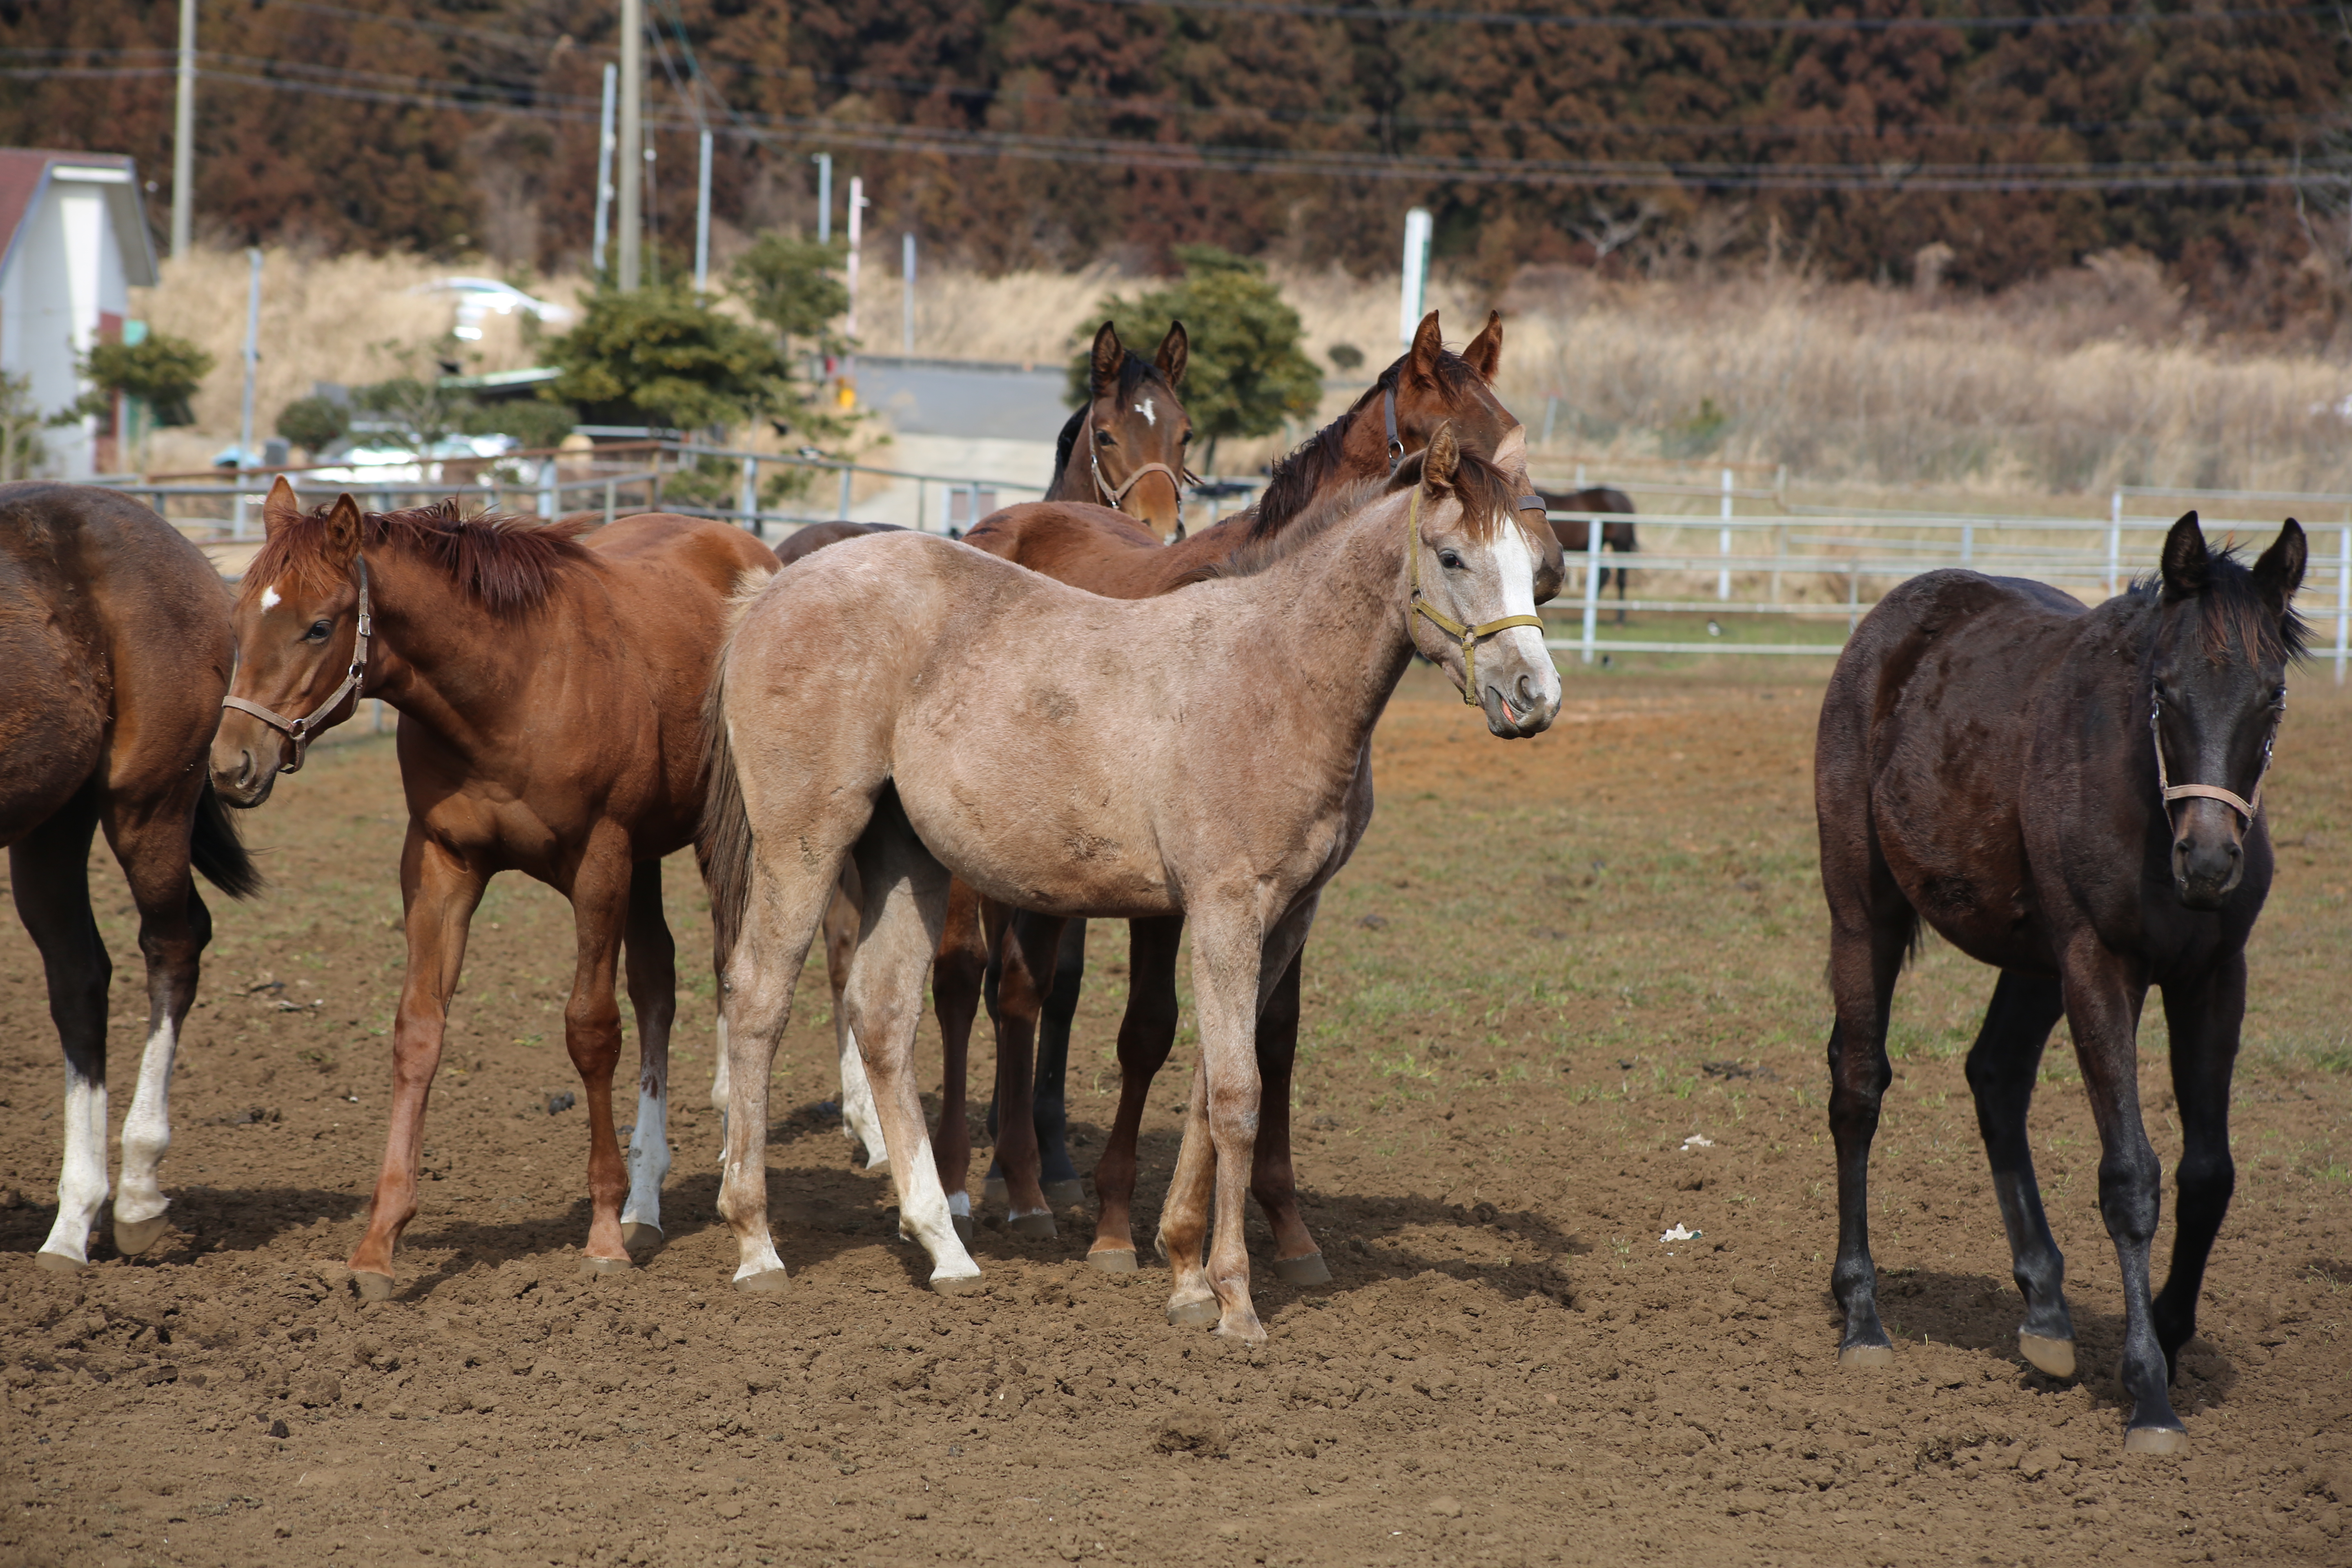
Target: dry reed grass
(2091, 378)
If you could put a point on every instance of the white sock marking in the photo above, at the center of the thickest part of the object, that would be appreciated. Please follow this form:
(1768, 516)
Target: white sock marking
(925, 1217)
(81, 1179)
(648, 1159)
(959, 1204)
(147, 1130)
(718, 1089)
(859, 1123)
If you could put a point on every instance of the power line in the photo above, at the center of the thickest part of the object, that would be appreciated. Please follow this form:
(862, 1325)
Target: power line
(1402, 15)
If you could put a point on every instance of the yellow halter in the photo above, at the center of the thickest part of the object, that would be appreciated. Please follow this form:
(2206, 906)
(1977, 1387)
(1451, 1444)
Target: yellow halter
(1467, 635)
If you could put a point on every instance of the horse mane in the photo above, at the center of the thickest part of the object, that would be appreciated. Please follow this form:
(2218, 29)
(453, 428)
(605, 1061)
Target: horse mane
(1290, 489)
(1133, 371)
(2232, 611)
(508, 565)
(1488, 497)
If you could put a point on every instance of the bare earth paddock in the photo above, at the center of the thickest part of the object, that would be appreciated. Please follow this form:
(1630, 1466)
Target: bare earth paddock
(1552, 965)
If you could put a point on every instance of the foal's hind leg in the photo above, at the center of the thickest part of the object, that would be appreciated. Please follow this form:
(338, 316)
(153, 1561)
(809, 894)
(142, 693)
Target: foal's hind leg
(956, 972)
(652, 969)
(599, 895)
(1866, 956)
(1025, 952)
(2204, 1021)
(151, 841)
(50, 870)
(1051, 1115)
(1297, 1259)
(2001, 1068)
(1146, 1034)
(857, 1123)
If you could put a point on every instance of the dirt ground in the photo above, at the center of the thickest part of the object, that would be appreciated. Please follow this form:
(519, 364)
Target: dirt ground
(1552, 966)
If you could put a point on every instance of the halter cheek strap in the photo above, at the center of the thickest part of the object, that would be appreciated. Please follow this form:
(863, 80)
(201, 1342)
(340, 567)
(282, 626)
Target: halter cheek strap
(303, 730)
(2231, 798)
(1115, 495)
(1467, 635)
(1397, 452)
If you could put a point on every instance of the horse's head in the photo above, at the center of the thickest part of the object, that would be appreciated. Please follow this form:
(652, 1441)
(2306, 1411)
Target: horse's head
(1134, 431)
(1475, 569)
(301, 645)
(2216, 690)
(1429, 387)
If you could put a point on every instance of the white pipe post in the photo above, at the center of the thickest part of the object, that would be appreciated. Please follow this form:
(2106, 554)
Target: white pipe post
(843, 510)
(550, 497)
(823, 161)
(629, 155)
(1416, 273)
(702, 221)
(252, 372)
(1592, 587)
(856, 231)
(184, 135)
(1723, 546)
(748, 498)
(2343, 601)
(604, 144)
(2114, 539)
(907, 297)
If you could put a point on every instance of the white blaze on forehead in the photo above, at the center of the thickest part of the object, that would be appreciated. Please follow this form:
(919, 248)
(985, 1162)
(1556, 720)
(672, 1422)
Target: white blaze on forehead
(1150, 416)
(269, 597)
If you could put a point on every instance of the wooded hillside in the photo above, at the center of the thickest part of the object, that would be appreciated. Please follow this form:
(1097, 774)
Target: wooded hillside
(1856, 138)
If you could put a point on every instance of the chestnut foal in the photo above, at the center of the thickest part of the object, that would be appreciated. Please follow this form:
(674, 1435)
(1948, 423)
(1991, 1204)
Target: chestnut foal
(550, 690)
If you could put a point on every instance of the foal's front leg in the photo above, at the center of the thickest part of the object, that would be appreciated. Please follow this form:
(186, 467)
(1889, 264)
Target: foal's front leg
(1228, 957)
(440, 891)
(2204, 1020)
(2002, 1066)
(592, 1034)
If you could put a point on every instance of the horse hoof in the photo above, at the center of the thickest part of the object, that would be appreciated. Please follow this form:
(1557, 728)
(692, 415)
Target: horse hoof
(638, 1237)
(372, 1287)
(955, 1284)
(993, 1190)
(770, 1282)
(1067, 1195)
(133, 1236)
(878, 1165)
(1246, 1331)
(1113, 1260)
(1038, 1226)
(1866, 1356)
(1308, 1269)
(2156, 1440)
(1201, 1314)
(58, 1263)
(2055, 1357)
(966, 1230)
(589, 1266)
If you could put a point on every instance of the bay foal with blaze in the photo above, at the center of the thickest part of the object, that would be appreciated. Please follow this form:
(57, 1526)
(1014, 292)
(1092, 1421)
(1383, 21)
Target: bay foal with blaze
(928, 711)
(549, 689)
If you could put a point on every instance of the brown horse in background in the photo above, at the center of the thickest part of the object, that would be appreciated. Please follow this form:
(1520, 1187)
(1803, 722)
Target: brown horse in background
(1125, 446)
(1576, 536)
(115, 642)
(1040, 960)
(551, 694)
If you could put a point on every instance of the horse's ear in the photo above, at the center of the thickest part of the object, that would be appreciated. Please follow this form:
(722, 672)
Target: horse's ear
(1109, 353)
(2278, 572)
(2187, 565)
(1484, 352)
(1175, 354)
(278, 508)
(1428, 343)
(342, 532)
(1441, 458)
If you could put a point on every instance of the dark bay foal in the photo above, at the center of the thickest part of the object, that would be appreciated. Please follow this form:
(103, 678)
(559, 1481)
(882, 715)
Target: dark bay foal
(2075, 797)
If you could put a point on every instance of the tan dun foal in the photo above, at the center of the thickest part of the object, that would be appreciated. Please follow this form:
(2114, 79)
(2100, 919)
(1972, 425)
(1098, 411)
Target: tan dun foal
(929, 710)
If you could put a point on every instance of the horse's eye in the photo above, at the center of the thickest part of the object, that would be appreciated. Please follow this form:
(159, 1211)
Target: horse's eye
(1449, 560)
(1102, 438)
(317, 632)
(1185, 439)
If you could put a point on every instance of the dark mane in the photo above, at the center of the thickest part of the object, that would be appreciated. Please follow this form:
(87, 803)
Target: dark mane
(1489, 502)
(508, 565)
(1297, 476)
(2233, 613)
(1133, 371)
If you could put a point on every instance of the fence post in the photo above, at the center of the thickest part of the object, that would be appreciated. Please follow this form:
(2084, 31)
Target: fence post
(748, 500)
(1591, 586)
(844, 511)
(1723, 578)
(2114, 538)
(1852, 595)
(609, 501)
(1967, 544)
(1779, 558)
(550, 499)
(2343, 601)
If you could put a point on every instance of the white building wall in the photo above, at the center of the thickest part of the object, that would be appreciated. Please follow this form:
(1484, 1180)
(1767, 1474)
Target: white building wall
(65, 269)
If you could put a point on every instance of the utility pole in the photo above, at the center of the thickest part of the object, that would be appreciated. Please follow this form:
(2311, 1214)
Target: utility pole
(823, 161)
(906, 300)
(252, 359)
(605, 173)
(630, 154)
(184, 135)
(702, 222)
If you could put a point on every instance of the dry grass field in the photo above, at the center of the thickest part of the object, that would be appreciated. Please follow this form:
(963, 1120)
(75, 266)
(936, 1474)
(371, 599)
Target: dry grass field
(1551, 965)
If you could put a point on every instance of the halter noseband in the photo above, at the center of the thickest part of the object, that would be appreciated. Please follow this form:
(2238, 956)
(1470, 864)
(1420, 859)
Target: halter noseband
(302, 730)
(1467, 635)
(2231, 798)
(1115, 495)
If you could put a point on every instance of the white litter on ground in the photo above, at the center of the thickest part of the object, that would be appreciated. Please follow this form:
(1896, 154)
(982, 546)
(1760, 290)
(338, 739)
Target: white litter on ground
(1698, 1141)
(1679, 1234)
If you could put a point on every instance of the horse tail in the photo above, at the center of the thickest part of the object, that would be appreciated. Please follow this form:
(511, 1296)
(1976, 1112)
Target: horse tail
(723, 842)
(217, 849)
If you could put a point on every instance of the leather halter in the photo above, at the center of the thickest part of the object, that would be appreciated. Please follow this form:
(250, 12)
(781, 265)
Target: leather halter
(2231, 798)
(1397, 454)
(1467, 635)
(303, 730)
(1115, 495)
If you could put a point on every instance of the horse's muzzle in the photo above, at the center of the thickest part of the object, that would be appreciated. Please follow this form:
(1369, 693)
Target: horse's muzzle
(1525, 707)
(2209, 855)
(245, 773)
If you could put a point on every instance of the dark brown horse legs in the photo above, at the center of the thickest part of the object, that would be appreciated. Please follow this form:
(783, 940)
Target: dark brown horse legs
(1057, 1172)
(1866, 956)
(652, 969)
(1146, 1035)
(440, 892)
(2002, 1066)
(2204, 1023)
(49, 873)
(957, 974)
(1297, 1259)
(2102, 1003)
(1023, 954)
